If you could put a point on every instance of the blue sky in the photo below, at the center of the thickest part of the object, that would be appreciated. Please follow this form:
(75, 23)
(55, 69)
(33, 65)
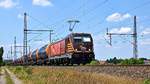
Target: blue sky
(94, 16)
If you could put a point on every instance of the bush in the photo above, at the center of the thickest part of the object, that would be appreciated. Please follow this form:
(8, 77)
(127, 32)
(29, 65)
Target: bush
(94, 62)
(114, 60)
(147, 81)
(22, 72)
(133, 61)
(1, 54)
(126, 61)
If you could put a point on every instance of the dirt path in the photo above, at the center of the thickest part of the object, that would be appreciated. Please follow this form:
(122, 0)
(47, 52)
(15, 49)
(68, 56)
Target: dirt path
(14, 78)
(2, 77)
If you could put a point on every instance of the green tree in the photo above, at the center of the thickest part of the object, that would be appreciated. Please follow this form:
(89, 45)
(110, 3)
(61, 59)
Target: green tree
(133, 61)
(114, 60)
(1, 54)
(125, 61)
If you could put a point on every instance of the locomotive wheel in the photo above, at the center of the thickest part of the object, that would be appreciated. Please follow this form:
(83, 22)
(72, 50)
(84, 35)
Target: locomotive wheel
(84, 63)
(71, 62)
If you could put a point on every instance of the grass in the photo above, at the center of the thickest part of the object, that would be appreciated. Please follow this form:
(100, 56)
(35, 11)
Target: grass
(0, 70)
(147, 81)
(8, 78)
(21, 72)
(94, 62)
(43, 75)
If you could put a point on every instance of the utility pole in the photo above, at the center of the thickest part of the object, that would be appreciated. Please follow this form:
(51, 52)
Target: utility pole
(72, 24)
(135, 48)
(50, 41)
(134, 35)
(25, 40)
(15, 48)
(50, 36)
(25, 51)
(11, 50)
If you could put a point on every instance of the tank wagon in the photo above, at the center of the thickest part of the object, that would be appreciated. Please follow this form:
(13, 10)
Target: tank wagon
(76, 48)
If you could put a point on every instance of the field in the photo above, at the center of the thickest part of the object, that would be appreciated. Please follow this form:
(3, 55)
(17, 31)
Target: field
(46, 75)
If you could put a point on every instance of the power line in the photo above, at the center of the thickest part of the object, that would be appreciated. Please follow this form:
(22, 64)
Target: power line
(74, 13)
(132, 9)
(47, 26)
(94, 8)
(97, 6)
(33, 38)
(137, 7)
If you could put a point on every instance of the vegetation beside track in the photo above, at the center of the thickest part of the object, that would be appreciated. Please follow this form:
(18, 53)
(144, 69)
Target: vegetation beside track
(1, 54)
(8, 78)
(46, 75)
(130, 61)
(147, 81)
(93, 62)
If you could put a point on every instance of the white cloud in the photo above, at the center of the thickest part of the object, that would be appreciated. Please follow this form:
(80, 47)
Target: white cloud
(20, 16)
(42, 3)
(145, 42)
(7, 3)
(146, 31)
(121, 30)
(115, 17)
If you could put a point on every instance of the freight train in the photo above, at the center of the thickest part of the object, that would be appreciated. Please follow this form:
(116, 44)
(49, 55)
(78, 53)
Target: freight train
(76, 48)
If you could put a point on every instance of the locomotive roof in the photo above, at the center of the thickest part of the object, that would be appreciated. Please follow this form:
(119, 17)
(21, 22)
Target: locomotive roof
(78, 33)
(71, 34)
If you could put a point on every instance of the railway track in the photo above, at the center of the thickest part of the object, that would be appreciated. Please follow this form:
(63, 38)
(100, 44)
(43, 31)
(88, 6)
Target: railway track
(94, 66)
(119, 65)
(132, 71)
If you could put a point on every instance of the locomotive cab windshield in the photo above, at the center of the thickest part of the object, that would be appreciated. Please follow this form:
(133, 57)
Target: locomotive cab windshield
(82, 41)
(86, 39)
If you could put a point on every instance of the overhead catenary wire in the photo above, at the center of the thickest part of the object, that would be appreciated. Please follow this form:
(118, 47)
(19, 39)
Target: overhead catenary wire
(93, 9)
(62, 19)
(127, 11)
(137, 7)
(41, 23)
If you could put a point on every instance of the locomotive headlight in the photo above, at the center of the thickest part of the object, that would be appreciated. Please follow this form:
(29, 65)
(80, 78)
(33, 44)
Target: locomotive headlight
(89, 49)
(76, 49)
